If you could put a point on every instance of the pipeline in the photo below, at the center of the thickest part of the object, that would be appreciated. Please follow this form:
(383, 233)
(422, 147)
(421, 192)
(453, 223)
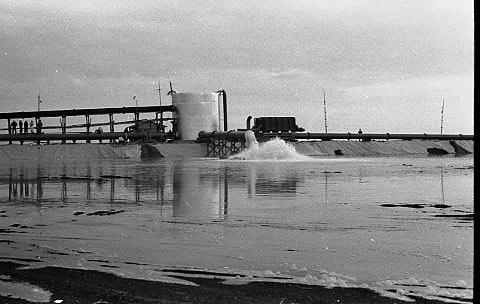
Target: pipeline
(203, 135)
(225, 126)
(249, 119)
(80, 136)
(81, 112)
(221, 135)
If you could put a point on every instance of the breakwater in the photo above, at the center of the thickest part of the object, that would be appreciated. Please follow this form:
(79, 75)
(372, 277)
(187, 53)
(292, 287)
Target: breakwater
(310, 148)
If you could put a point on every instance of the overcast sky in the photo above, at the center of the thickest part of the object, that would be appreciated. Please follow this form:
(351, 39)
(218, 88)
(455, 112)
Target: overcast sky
(385, 65)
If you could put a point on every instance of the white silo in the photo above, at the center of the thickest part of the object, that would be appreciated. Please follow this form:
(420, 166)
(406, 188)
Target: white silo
(195, 112)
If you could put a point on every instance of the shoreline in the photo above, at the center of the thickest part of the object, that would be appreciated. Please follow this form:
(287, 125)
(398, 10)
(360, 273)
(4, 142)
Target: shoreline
(91, 286)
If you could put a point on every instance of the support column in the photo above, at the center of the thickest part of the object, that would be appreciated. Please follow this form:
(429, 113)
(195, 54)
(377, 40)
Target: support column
(87, 121)
(9, 130)
(112, 128)
(137, 118)
(63, 125)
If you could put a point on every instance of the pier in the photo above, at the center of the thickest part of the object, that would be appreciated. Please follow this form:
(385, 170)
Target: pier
(156, 130)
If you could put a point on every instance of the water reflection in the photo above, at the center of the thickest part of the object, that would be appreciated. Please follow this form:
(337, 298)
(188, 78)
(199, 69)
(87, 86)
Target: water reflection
(196, 191)
(278, 181)
(185, 190)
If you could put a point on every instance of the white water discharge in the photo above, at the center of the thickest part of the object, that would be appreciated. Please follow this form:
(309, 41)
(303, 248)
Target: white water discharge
(275, 149)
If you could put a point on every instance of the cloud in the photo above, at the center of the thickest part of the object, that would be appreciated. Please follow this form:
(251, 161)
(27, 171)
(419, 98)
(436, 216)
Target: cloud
(109, 38)
(266, 48)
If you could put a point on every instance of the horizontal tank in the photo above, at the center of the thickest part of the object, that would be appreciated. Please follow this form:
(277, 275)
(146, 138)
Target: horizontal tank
(195, 112)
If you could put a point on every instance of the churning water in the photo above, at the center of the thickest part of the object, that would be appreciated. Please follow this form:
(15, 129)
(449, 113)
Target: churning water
(275, 149)
(399, 225)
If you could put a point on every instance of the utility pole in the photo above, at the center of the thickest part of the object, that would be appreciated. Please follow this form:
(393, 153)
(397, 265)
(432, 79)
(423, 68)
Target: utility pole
(161, 112)
(441, 121)
(38, 109)
(325, 111)
(38, 103)
(136, 110)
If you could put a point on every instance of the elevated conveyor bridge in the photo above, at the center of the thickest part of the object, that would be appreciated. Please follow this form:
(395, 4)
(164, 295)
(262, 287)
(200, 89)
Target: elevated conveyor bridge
(59, 132)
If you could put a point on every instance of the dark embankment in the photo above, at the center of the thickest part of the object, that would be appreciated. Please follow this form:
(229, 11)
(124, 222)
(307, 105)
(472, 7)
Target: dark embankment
(149, 151)
(380, 148)
(87, 286)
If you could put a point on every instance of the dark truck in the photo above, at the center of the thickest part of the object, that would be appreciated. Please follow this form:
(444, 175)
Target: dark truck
(276, 124)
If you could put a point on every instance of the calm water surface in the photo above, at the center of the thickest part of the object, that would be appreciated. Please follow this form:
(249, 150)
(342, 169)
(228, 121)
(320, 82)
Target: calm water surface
(403, 224)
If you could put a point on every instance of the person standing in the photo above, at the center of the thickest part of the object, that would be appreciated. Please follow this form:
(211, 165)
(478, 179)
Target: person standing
(31, 126)
(14, 127)
(39, 126)
(20, 126)
(360, 132)
(25, 127)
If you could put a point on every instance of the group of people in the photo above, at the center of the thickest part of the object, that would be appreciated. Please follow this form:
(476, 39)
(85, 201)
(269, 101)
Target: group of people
(24, 126)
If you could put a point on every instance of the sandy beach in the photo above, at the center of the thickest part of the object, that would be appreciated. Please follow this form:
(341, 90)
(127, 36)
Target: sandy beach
(66, 285)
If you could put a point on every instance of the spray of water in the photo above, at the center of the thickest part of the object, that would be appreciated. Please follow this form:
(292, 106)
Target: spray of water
(275, 149)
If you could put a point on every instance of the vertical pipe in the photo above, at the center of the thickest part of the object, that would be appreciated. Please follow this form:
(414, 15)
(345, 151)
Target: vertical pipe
(225, 120)
(249, 118)
(9, 130)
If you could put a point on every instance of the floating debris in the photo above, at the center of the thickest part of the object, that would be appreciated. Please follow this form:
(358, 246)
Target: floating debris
(105, 212)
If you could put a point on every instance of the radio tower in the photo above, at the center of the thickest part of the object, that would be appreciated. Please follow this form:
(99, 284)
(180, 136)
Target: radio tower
(161, 112)
(325, 111)
(441, 120)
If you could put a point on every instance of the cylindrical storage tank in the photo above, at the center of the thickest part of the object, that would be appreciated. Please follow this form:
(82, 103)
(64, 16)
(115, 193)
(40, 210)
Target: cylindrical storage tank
(195, 112)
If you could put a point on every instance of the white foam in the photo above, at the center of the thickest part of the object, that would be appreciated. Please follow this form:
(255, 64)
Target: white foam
(275, 149)
(25, 291)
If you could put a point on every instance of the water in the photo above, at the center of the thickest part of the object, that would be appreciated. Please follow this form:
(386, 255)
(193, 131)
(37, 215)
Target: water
(399, 225)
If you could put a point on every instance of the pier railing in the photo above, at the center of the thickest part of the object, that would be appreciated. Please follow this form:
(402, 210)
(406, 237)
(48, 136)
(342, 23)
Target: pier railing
(60, 132)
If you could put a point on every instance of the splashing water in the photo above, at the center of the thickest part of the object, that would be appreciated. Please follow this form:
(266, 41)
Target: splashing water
(250, 139)
(275, 149)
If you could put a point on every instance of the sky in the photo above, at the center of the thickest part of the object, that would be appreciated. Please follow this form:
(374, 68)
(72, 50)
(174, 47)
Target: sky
(385, 66)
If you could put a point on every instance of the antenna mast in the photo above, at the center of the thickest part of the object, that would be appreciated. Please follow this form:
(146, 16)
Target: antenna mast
(159, 95)
(325, 111)
(161, 112)
(441, 121)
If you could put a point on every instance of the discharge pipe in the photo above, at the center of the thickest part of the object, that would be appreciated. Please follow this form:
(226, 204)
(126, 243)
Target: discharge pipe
(330, 136)
(249, 119)
(224, 95)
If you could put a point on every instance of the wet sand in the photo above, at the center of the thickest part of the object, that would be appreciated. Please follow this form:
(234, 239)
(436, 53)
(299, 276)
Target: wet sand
(89, 286)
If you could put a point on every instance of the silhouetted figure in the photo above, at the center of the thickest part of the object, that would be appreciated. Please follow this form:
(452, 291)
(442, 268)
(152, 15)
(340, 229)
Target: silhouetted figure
(25, 127)
(14, 126)
(20, 126)
(99, 130)
(360, 132)
(31, 126)
(39, 126)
